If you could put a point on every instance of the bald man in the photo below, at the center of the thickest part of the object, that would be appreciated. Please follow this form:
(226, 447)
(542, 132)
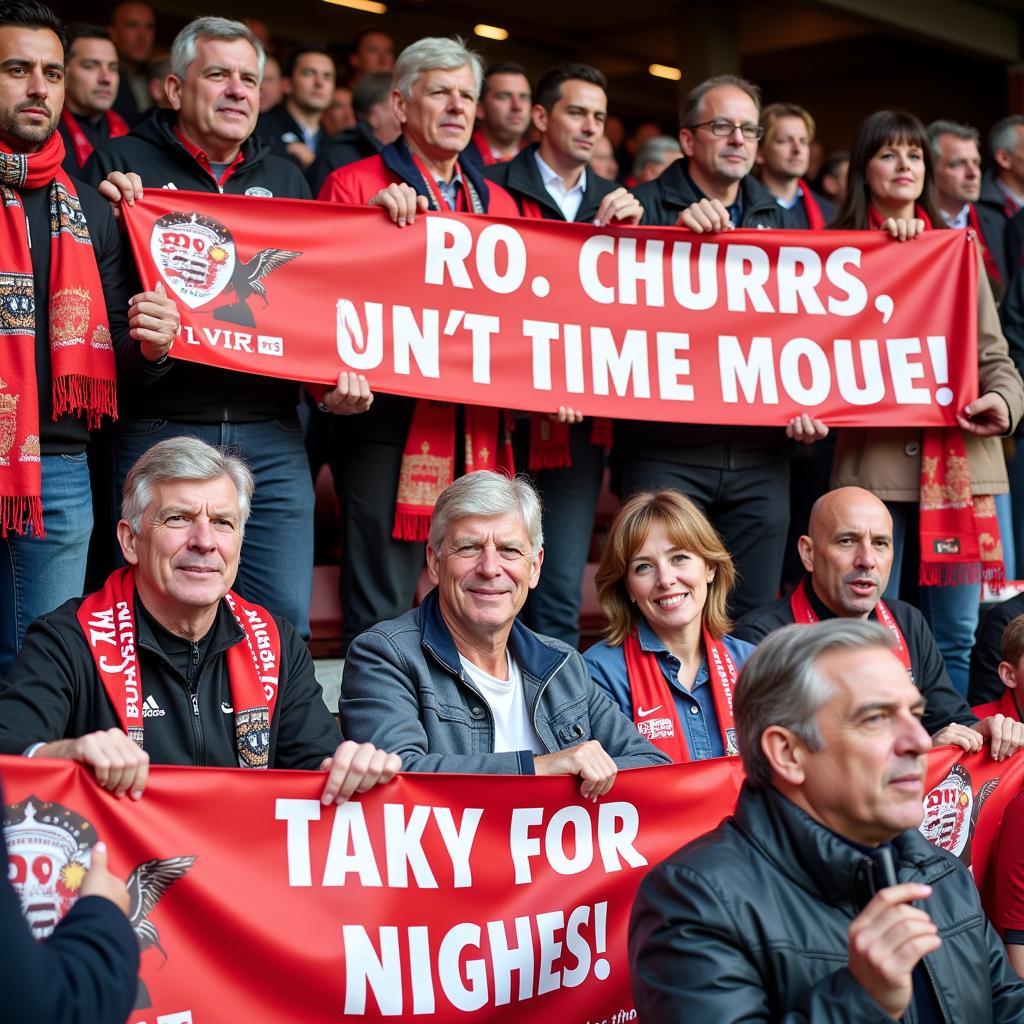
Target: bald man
(847, 552)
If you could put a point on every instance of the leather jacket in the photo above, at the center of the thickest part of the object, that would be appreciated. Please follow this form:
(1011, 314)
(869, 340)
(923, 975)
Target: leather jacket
(749, 923)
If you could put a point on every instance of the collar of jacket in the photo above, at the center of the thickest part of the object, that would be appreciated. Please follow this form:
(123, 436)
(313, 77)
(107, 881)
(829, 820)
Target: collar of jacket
(397, 158)
(226, 630)
(818, 860)
(533, 656)
(523, 177)
(158, 129)
(991, 194)
(677, 190)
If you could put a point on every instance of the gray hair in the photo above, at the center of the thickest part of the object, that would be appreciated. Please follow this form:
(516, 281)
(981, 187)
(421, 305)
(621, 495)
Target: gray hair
(183, 49)
(654, 150)
(959, 131)
(781, 684)
(693, 105)
(486, 493)
(434, 52)
(183, 458)
(1004, 134)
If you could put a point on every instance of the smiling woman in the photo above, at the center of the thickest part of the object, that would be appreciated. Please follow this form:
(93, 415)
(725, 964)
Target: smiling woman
(667, 661)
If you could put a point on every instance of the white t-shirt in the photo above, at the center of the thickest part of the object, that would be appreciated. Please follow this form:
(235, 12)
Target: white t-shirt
(513, 729)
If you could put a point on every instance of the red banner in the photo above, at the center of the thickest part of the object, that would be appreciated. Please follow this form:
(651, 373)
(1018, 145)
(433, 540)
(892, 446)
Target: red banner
(433, 897)
(747, 327)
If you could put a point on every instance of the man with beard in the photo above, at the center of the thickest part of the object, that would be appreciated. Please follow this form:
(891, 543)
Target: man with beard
(847, 552)
(61, 315)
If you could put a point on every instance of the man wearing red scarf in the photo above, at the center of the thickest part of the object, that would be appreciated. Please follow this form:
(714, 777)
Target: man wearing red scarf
(503, 116)
(391, 465)
(782, 161)
(847, 552)
(62, 311)
(552, 179)
(91, 87)
(166, 663)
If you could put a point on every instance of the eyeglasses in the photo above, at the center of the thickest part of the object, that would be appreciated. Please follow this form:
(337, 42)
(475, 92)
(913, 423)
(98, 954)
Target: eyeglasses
(723, 129)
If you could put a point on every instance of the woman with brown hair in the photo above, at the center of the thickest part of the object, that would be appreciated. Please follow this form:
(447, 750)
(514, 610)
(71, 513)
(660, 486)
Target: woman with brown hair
(667, 659)
(890, 187)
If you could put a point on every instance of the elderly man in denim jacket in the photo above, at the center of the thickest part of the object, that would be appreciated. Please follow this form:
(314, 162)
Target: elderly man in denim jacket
(458, 685)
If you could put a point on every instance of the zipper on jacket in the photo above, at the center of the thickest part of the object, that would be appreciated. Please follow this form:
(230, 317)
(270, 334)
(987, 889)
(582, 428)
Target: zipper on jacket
(939, 999)
(540, 694)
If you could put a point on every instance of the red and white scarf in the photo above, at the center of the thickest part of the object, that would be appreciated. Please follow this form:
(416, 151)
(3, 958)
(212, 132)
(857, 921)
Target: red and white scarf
(654, 706)
(428, 460)
(81, 354)
(804, 613)
(959, 531)
(107, 618)
(117, 126)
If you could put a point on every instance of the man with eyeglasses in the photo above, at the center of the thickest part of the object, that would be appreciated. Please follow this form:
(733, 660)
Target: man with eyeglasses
(738, 475)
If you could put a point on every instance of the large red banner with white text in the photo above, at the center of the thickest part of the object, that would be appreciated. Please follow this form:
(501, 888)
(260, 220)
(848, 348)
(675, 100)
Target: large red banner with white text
(436, 897)
(743, 327)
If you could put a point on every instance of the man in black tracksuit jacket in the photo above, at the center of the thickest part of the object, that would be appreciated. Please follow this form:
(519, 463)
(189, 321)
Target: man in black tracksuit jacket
(738, 475)
(569, 113)
(254, 414)
(176, 674)
(818, 899)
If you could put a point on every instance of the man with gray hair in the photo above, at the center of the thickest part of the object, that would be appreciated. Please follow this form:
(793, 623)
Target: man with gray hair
(963, 199)
(433, 95)
(818, 899)
(205, 143)
(458, 685)
(653, 156)
(166, 663)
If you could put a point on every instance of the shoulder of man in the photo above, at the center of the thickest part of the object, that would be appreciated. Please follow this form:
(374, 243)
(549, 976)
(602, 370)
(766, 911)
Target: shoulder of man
(664, 198)
(757, 624)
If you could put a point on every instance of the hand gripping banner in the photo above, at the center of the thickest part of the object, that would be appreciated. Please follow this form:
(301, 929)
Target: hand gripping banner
(437, 897)
(743, 327)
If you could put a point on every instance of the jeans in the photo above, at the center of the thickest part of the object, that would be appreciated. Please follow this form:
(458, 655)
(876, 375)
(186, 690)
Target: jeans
(276, 568)
(38, 574)
(1004, 513)
(951, 612)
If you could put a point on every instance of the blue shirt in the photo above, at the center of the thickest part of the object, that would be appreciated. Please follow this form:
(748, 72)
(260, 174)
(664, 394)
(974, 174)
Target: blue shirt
(695, 708)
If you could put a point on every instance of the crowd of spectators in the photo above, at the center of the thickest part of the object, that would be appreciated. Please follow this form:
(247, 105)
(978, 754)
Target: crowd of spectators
(485, 674)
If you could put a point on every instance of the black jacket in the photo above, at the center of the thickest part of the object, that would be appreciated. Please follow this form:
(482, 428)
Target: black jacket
(749, 923)
(85, 971)
(178, 390)
(697, 444)
(278, 129)
(673, 191)
(53, 692)
(520, 177)
(68, 435)
(944, 704)
(984, 683)
(339, 150)
(1003, 243)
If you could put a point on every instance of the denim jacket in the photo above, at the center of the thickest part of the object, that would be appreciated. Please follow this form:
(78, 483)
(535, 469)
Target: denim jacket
(404, 689)
(696, 709)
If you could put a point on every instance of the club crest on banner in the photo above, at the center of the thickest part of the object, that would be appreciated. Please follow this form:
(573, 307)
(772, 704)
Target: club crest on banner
(48, 850)
(194, 254)
(947, 813)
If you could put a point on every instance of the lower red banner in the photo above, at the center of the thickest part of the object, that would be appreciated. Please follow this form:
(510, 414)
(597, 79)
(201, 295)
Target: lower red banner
(434, 897)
